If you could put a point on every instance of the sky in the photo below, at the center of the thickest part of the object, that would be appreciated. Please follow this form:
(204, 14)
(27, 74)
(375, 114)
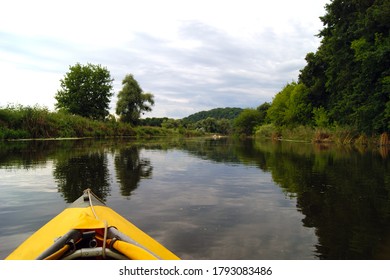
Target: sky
(193, 55)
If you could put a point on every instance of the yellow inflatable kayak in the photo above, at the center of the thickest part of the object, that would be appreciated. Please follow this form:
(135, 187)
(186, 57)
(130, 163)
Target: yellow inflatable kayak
(88, 229)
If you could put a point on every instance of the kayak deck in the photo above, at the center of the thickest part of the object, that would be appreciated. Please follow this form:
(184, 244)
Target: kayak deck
(90, 229)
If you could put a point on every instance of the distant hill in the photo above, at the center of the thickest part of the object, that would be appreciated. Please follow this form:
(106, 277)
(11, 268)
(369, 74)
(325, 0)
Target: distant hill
(217, 113)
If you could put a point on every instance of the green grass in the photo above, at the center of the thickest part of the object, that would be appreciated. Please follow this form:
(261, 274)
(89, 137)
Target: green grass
(36, 122)
(19, 122)
(336, 135)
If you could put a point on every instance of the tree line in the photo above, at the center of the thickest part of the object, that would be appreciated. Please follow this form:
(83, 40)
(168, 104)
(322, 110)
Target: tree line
(344, 85)
(347, 80)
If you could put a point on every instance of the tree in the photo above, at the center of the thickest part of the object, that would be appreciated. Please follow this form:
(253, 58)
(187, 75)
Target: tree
(171, 123)
(208, 125)
(86, 91)
(349, 74)
(263, 108)
(132, 101)
(291, 106)
(313, 77)
(246, 121)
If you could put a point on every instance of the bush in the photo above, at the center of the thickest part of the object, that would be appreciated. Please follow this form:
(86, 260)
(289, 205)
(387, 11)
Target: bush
(6, 133)
(246, 122)
(320, 117)
(266, 131)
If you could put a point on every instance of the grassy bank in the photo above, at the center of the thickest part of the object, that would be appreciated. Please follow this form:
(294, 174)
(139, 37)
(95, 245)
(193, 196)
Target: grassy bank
(336, 135)
(35, 122)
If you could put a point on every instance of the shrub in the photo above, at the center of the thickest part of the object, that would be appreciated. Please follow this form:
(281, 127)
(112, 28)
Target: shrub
(266, 131)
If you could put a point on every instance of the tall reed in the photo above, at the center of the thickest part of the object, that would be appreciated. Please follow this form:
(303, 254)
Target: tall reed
(384, 139)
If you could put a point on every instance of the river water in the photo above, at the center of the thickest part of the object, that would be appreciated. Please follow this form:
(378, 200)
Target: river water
(209, 199)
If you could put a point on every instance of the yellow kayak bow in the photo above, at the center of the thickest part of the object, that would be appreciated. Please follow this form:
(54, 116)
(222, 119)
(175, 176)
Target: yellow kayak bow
(90, 229)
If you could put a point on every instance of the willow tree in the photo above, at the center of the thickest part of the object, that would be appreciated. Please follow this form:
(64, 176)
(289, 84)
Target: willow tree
(132, 101)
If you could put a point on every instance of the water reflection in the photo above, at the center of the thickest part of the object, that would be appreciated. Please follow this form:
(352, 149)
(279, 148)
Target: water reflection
(130, 169)
(75, 174)
(342, 193)
(384, 151)
(223, 203)
(25, 154)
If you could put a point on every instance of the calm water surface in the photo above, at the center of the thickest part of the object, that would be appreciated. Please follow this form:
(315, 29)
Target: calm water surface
(209, 199)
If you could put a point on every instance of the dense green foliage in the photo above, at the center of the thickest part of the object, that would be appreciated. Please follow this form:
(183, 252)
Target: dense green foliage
(263, 109)
(212, 125)
(217, 113)
(132, 101)
(348, 78)
(85, 91)
(208, 125)
(218, 120)
(152, 121)
(290, 106)
(246, 122)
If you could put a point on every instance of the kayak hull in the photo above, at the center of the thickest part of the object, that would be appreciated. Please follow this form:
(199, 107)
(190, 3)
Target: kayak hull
(87, 214)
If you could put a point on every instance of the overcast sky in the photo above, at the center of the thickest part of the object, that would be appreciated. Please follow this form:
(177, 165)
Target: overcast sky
(193, 55)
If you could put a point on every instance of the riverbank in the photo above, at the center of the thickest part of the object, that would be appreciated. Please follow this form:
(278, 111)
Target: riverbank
(39, 123)
(22, 123)
(335, 135)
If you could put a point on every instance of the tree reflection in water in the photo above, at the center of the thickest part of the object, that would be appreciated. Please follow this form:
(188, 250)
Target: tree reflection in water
(75, 174)
(130, 169)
